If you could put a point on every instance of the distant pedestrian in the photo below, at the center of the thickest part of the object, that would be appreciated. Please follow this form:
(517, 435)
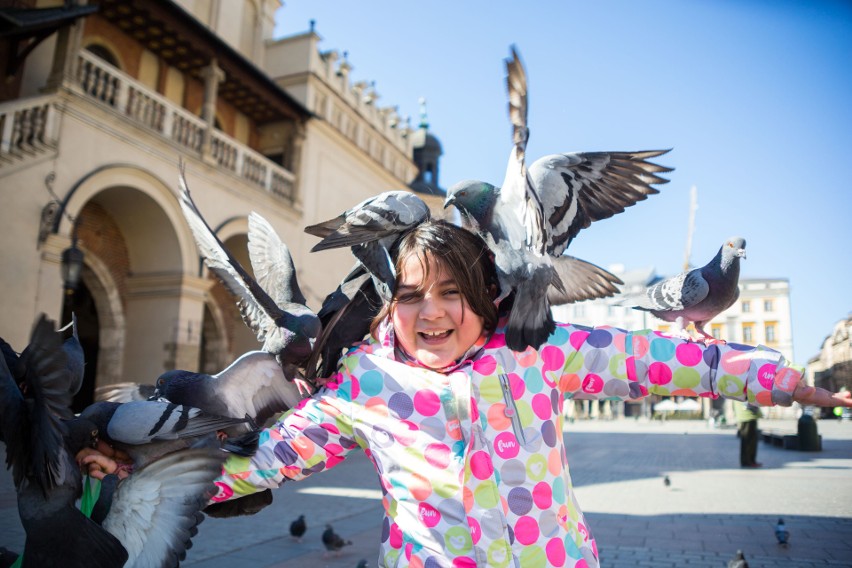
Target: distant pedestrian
(747, 416)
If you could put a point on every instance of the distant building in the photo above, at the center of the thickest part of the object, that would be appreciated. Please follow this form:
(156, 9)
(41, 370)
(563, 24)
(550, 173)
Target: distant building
(831, 368)
(99, 102)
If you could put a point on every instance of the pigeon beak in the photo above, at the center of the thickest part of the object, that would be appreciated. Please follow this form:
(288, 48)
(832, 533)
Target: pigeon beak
(451, 199)
(741, 253)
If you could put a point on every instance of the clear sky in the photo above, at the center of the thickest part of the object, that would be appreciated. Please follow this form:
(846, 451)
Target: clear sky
(754, 97)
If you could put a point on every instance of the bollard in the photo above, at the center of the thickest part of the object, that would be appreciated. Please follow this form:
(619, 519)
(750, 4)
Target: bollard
(809, 439)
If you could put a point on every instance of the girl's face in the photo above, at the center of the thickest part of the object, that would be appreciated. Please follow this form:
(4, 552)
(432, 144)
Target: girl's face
(430, 316)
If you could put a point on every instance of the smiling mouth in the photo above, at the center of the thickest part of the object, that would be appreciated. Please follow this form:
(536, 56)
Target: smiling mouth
(434, 335)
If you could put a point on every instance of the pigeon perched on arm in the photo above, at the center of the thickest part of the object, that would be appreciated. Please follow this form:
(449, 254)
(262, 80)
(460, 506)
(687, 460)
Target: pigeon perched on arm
(254, 385)
(275, 310)
(531, 219)
(700, 294)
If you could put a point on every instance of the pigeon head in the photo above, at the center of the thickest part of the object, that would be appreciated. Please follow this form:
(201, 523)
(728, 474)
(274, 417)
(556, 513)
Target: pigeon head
(475, 199)
(734, 248)
(99, 414)
(81, 433)
(171, 380)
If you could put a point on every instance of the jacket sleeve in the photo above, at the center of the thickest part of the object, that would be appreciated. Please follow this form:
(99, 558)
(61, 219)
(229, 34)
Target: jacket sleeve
(611, 363)
(313, 437)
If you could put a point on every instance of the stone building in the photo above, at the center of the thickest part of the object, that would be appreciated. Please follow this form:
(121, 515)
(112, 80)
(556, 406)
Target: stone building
(100, 103)
(831, 368)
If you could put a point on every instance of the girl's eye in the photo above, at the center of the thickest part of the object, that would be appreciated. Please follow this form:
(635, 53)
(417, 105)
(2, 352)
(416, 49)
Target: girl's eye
(407, 298)
(451, 292)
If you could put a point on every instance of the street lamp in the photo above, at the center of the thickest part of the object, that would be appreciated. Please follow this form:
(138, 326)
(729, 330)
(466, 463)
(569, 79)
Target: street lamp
(72, 266)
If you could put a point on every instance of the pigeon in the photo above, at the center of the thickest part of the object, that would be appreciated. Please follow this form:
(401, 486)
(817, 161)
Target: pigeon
(531, 219)
(666, 481)
(254, 385)
(298, 528)
(147, 430)
(698, 295)
(42, 439)
(781, 533)
(362, 563)
(370, 229)
(75, 359)
(738, 561)
(276, 312)
(332, 541)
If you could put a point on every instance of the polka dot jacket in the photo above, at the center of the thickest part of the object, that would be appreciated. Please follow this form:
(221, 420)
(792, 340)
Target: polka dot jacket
(471, 460)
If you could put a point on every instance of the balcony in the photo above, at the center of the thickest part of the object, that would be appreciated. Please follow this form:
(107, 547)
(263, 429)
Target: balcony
(29, 126)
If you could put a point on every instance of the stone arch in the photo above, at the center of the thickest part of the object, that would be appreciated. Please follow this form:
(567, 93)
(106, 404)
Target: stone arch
(105, 50)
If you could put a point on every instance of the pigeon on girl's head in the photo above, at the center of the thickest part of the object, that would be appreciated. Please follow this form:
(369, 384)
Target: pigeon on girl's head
(531, 219)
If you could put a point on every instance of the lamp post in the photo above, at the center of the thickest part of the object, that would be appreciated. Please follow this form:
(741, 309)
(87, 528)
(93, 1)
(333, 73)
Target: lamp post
(72, 265)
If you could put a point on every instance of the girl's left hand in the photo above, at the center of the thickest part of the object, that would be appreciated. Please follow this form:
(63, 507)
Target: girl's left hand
(817, 396)
(104, 460)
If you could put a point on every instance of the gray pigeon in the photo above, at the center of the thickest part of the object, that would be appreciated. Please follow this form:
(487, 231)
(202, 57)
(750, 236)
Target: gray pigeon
(782, 535)
(274, 310)
(738, 561)
(370, 229)
(532, 218)
(148, 429)
(698, 295)
(254, 385)
(332, 541)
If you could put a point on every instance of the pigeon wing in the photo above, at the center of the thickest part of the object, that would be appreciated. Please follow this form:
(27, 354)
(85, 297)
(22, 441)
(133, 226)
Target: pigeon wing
(676, 293)
(144, 421)
(124, 392)
(259, 311)
(257, 386)
(577, 189)
(155, 511)
(13, 421)
(582, 281)
(272, 263)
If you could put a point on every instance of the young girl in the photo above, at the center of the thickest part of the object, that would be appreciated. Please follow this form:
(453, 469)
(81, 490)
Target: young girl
(465, 434)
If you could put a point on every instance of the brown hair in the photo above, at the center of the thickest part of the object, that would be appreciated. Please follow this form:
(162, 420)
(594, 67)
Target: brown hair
(462, 254)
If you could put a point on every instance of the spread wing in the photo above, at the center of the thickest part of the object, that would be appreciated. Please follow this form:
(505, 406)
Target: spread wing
(576, 189)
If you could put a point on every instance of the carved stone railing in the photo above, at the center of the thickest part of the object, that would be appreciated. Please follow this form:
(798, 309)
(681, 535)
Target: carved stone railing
(109, 86)
(28, 127)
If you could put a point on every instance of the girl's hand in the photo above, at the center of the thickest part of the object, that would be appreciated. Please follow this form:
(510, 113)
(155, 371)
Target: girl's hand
(816, 396)
(103, 460)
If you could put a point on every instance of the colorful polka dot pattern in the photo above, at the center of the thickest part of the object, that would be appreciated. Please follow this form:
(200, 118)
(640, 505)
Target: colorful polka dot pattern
(472, 460)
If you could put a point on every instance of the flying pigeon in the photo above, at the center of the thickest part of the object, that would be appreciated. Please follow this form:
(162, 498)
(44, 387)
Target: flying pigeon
(333, 542)
(254, 385)
(370, 229)
(298, 528)
(700, 294)
(531, 219)
(738, 561)
(274, 309)
(781, 533)
(147, 430)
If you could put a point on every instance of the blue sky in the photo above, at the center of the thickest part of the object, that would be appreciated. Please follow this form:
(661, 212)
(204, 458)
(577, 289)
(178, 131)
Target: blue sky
(754, 97)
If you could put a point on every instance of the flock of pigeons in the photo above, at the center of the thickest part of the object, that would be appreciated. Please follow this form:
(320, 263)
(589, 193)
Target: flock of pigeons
(176, 429)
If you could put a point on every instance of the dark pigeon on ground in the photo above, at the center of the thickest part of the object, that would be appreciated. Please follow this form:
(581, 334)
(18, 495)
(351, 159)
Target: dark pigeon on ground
(666, 481)
(738, 561)
(332, 541)
(254, 385)
(531, 219)
(146, 430)
(782, 535)
(700, 294)
(363, 563)
(298, 528)
(274, 308)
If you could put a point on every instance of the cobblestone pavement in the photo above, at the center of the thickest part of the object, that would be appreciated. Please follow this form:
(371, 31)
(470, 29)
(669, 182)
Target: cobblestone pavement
(711, 509)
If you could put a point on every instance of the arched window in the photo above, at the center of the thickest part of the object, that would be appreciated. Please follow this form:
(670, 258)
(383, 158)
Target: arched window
(104, 53)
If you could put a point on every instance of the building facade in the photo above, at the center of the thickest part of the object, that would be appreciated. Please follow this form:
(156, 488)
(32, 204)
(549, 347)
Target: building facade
(831, 368)
(101, 103)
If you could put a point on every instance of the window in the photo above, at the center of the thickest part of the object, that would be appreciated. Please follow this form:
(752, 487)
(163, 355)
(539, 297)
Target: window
(748, 332)
(579, 311)
(746, 307)
(716, 330)
(767, 305)
(770, 329)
